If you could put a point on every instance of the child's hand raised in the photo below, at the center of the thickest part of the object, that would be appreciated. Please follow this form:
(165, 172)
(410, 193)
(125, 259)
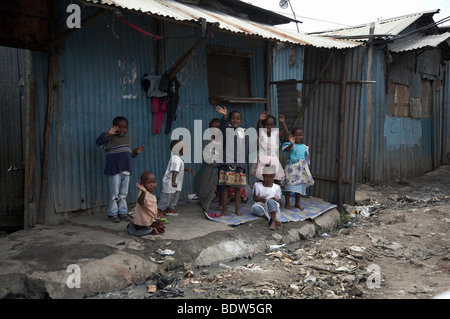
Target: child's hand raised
(142, 188)
(221, 110)
(292, 139)
(281, 118)
(263, 115)
(113, 130)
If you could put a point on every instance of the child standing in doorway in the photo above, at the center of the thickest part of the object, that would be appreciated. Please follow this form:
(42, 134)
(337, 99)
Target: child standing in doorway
(232, 172)
(118, 167)
(172, 182)
(298, 176)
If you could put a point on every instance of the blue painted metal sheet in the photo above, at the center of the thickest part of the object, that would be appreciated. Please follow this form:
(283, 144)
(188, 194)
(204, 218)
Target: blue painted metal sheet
(99, 74)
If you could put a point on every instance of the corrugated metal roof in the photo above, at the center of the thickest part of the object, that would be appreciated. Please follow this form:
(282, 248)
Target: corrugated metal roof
(417, 41)
(186, 12)
(393, 26)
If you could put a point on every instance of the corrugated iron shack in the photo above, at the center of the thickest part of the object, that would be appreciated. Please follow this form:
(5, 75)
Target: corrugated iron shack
(375, 113)
(78, 64)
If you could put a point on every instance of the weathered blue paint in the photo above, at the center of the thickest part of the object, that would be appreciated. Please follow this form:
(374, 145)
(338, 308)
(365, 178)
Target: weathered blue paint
(99, 74)
(400, 131)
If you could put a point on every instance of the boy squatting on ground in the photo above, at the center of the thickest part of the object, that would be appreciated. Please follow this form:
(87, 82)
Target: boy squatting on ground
(118, 167)
(145, 219)
(172, 182)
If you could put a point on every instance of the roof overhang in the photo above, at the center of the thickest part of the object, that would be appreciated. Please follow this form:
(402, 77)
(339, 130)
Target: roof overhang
(184, 12)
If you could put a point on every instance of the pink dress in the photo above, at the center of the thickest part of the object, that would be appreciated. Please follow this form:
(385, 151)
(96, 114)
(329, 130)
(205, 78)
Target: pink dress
(268, 149)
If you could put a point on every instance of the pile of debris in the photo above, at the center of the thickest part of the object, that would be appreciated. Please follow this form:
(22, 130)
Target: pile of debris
(314, 271)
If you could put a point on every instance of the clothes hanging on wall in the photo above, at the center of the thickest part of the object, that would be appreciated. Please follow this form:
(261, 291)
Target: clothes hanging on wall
(171, 87)
(159, 109)
(151, 83)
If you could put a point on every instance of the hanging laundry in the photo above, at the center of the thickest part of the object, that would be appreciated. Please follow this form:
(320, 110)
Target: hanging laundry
(150, 83)
(171, 86)
(159, 109)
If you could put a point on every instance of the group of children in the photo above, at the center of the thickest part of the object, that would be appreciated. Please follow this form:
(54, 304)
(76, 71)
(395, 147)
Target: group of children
(229, 172)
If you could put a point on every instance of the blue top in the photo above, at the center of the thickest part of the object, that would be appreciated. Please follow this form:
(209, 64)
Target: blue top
(297, 152)
(118, 153)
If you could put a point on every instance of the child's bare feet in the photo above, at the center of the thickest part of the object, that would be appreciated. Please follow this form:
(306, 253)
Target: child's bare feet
(273, 225)
(288, 206)
(299, 207)
(238, 212)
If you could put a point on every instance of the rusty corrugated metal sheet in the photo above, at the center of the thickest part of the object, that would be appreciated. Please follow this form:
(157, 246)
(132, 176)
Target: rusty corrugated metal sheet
(12, 166)
(417, 41)
(320, 122)
(185, 12)
(390, 27)
(99, 77)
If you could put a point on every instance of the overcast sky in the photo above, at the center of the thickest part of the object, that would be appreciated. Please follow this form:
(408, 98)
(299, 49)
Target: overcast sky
(318, 15)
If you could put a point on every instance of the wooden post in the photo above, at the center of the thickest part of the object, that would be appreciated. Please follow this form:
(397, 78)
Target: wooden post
(325, 67)
(366, 172)
(341, 132)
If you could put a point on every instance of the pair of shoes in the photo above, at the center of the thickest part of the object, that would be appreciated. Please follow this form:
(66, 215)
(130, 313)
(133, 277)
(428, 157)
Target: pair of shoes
(124, 217)
(171, 212)
(160, 214)
(114, 219)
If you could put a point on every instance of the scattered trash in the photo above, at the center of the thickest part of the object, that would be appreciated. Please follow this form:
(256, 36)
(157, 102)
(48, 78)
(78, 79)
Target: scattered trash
(192, 196)
(165, 252)
(151, 288)
(310, 279)
(325, 235)
(358, 248)
(332, 254)
(189, 274)
(275, 247)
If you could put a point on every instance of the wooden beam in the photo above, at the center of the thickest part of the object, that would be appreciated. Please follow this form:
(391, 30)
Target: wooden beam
(184, 59)
(325, 67)
(341, 132)
(69, 32)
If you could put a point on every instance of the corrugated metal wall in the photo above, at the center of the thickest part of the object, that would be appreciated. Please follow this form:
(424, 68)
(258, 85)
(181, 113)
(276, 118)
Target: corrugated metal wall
(320, 122)
(400, 147)
(100, 72)
(12, 106)
(445, 128)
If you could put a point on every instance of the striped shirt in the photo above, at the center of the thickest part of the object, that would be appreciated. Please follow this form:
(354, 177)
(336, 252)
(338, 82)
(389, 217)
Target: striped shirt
(118, 153)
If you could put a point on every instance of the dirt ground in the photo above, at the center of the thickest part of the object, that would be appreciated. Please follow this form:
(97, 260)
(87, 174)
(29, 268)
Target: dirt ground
(393, 244)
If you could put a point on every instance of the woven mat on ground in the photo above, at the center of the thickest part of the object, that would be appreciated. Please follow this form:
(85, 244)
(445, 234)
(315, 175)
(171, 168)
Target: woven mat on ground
(313, 207)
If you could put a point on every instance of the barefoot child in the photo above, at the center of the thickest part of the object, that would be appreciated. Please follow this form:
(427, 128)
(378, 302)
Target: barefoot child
(232, 172)
(145, 219)
(298, 176)
(267, 197)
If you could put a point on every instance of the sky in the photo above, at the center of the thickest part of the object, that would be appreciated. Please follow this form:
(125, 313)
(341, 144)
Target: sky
(319, 15)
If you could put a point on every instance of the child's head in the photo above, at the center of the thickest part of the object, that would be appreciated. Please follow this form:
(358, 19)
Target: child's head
(268, 173)
(148, 180)
(215, 122)
(122, 124)
(235, 118)
(177, 147)
(269, 123)
(297, 133)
